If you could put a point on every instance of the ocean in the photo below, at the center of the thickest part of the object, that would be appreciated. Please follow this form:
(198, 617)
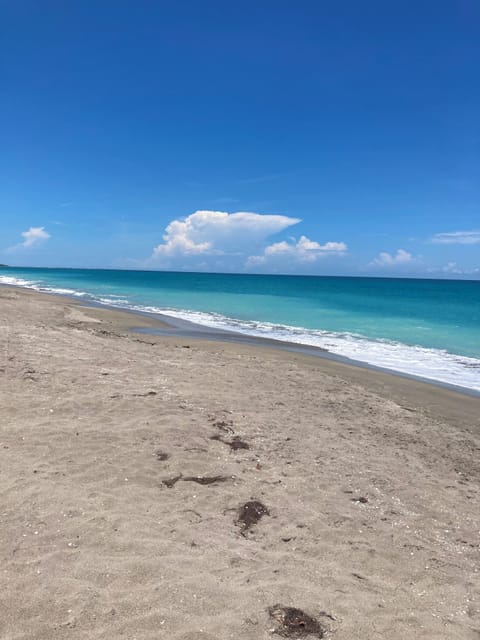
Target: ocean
(426, 328)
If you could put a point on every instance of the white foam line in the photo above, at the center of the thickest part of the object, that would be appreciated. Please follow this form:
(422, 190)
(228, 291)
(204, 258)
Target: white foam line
(433, 364)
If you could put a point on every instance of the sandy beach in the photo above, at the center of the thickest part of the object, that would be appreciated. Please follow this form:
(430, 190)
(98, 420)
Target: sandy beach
(163, 487)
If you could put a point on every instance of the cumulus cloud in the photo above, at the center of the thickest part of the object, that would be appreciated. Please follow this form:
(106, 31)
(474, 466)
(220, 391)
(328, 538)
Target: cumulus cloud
(32, 237)
(385, 259)
(303, 251)
(218, 232)
(457, 237)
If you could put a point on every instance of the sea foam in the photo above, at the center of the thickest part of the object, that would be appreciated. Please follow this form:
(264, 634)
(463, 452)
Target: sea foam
(432, 364)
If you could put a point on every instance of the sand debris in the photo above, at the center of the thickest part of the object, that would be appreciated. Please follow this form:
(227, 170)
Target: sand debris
(206, 479)
(235, 443)
(250, 513)
(171, 482)
(295, 623)
(226, 427)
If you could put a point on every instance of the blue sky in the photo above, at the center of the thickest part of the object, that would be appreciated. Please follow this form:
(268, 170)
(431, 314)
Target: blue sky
(343, 136)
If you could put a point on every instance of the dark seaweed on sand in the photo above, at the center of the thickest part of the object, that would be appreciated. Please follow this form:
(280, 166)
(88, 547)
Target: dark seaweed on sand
(235, 443)
(226, 427)
(250, 513)
(171, 482)
(295, 623)
(205, 479)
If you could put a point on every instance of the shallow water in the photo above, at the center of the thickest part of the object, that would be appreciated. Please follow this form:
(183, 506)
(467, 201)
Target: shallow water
(429, 328)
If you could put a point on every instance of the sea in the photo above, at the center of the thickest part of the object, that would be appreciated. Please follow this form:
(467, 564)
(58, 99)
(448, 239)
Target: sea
(423, 328)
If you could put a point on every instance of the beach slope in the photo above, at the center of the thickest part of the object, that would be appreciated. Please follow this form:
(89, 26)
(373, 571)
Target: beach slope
(126, 462)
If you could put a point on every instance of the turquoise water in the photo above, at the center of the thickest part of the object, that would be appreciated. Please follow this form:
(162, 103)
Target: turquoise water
(423, 327)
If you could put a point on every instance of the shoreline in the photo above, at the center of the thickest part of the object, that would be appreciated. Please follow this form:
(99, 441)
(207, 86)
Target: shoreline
(167, 326)
(437, 398)
(128, 460)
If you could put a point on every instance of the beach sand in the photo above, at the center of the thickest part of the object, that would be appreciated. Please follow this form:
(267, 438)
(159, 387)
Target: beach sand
(369, 484)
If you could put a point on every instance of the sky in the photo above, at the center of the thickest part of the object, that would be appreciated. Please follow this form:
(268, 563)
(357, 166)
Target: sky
(262, 136)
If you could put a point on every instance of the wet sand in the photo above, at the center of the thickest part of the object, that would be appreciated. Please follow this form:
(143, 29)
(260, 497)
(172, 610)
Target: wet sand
(160, 486)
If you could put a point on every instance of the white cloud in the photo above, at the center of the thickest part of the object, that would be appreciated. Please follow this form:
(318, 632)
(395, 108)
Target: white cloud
(217, 233)
(457, 237)
(454, 269)
(303, 251)
(451, 267)
(385, 259)
(32, 237)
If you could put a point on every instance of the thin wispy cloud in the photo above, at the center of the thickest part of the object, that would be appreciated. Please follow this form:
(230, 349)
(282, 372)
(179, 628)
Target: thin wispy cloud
(457, 237)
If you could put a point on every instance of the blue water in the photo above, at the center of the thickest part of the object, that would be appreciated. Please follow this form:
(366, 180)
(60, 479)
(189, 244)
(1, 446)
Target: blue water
(429, 328)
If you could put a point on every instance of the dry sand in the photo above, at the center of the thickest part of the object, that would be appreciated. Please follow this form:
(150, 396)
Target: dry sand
(371, 483)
